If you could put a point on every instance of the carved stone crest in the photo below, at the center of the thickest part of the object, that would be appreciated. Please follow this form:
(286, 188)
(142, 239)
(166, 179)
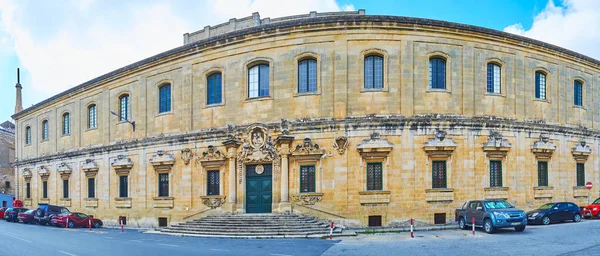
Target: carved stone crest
(186, 155)
(258, 137)
(90, 168)
(258, 148)
(260, 169)
(285, 127)
(213, 201)
(307, 147)
(341, 144)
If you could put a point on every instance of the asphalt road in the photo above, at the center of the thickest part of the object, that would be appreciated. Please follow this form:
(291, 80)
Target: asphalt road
(28, 239)
(568, 238)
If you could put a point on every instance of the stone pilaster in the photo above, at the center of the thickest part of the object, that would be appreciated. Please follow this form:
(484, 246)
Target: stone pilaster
(231, 145)
(284, 151)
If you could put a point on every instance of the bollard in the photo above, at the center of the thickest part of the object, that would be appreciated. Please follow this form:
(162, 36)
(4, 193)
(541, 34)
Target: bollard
(331, 230)
(67, 222)
(412, 235)
(122, 229)
(473, 225)
(90, 222)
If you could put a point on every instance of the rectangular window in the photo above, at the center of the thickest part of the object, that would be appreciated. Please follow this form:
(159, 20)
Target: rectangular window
(91, 188)
(164, 104)
(580, 174)
(212, 183)
(439, 218)
(437, 73)
(540, 85)
(578, 93)
(542, 174)
(307, 76)
(258, 81)
(439, 174)
(45, 189)
(45, 130)
(374, 176)
(66, 124)
(65, 188)
(373, 72)
(28, 190)
(495, 173)
(7, 184)
(375, 221)
(92, 116)
(124, 108)
(28, 135)
(307, 178)
(123, 190)
(163, 185)
(214, 89)
(493, 78)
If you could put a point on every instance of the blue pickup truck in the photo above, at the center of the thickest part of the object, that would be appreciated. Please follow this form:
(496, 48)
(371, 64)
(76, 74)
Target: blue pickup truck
(490, 215)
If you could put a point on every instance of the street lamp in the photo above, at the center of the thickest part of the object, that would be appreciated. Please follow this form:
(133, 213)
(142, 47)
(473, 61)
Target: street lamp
(126, 120)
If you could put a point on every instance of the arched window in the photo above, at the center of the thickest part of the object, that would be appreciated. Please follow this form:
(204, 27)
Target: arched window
(92, 116)
(578, 93)
(307, 75)
(124, 107)
(214, 89)
(66, 124)
(540, 85)
(493, 78)
(373, 72)
(437, 73)
(45, 130)
(258, 81)
(164, 99)
(27, 135)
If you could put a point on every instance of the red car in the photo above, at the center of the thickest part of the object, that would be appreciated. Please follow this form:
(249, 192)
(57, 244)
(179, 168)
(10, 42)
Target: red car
(26, 217)
(592, 210)
(2, 210)
(76, 219)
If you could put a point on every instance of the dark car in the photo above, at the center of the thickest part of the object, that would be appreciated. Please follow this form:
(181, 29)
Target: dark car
(45, 211)
(11, 214)
(26, 217)
(554, 212)
(75, 219)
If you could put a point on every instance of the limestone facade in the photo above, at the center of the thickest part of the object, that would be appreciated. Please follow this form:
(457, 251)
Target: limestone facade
(340, 130)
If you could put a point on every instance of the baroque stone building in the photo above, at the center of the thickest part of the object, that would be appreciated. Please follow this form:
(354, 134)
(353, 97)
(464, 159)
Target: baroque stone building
(7, 157)
(361, 119)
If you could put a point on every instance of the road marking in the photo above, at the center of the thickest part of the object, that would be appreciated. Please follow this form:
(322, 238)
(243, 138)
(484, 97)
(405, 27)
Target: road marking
(277, 254)
(70, 254)
(109, 237)
(219, 250)
(137, 241)
(172, 245)
(14, 236)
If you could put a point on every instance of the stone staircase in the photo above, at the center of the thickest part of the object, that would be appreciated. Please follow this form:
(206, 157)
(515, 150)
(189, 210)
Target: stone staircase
(252, 226)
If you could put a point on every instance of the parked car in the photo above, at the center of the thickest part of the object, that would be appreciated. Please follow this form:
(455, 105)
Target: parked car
(11, 214)
(45, 211)
(554, 212)
(2, 210)
(26, 217)
(592, 210)
(75, 219)
(490, 215)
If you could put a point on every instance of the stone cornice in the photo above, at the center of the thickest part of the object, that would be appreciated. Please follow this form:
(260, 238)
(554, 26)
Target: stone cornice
(374, 122)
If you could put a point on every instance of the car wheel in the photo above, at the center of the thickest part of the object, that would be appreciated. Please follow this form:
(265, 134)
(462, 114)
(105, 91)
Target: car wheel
(520, 228)
(577, 218)
(546, 220)
(71, 224)
(488, 227)
(97, 225)
(461, 223)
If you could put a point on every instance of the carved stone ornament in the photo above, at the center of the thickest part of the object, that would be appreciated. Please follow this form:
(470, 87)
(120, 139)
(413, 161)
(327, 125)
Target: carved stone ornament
(162, 161)
(439, 146)
(308, 150)
(581, 152)
(213, 201)
(186, 155)
(258, 148)
(341, 144)
(65, 170)
(27, 174)
(543, 148)
(307, 199)
(43, 172)
(122, 165)
(496, 146)
(90, 168)
(212, 157)
(375, 147)
(285, 127)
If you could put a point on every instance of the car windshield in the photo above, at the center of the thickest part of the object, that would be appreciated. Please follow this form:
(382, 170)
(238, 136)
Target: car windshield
(597, 201)
(546, 206)
(497, 205)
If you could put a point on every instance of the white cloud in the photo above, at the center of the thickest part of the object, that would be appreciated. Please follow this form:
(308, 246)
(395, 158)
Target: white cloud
(573, 25)
(63, 45)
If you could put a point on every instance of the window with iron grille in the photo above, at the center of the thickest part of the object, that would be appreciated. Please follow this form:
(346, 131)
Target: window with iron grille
(28, 190)
(163, 185)
(45, 189)
(495, 173)
(28, 135)
(493, 78)
(45, 130)
(65, 188)
(123, 183)
(258, 81)
(307, 75)
(164, 99)
(373, 72)
(124, 107)
(307, 178)
(162, 222)
(437, 73)
(580, 174)
(66, 124)
(212, 182)
(578, 93)
(91, 188)
(542, 174)
(439, 218)
(215, 88)
(374, 176)
(540, 85)
(439, 174)
(375, 221)
(92, 116)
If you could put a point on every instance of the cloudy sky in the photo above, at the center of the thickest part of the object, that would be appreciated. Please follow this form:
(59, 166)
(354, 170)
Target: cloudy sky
(61, 44)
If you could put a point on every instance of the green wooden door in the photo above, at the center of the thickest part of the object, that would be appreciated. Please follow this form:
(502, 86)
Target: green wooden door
(259, 189)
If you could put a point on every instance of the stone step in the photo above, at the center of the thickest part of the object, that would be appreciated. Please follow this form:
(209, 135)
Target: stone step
(249, 234)
(257, 218)
(252, 226)
(212, 223)
(286, 231)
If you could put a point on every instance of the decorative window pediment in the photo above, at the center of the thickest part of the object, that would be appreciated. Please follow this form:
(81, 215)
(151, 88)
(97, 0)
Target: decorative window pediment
(496, 146)
(43, 172)
(307, 150)
(375, 147)
(90, 168)
(581, 152)
(440, 146)
(162, 161)
(212, 157)
(543, 148)
(65, 170)
(122, 165)
(27, 174)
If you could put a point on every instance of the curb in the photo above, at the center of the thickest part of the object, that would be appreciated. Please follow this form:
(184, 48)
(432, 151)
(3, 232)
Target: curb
(403, 229)
(235, 237)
